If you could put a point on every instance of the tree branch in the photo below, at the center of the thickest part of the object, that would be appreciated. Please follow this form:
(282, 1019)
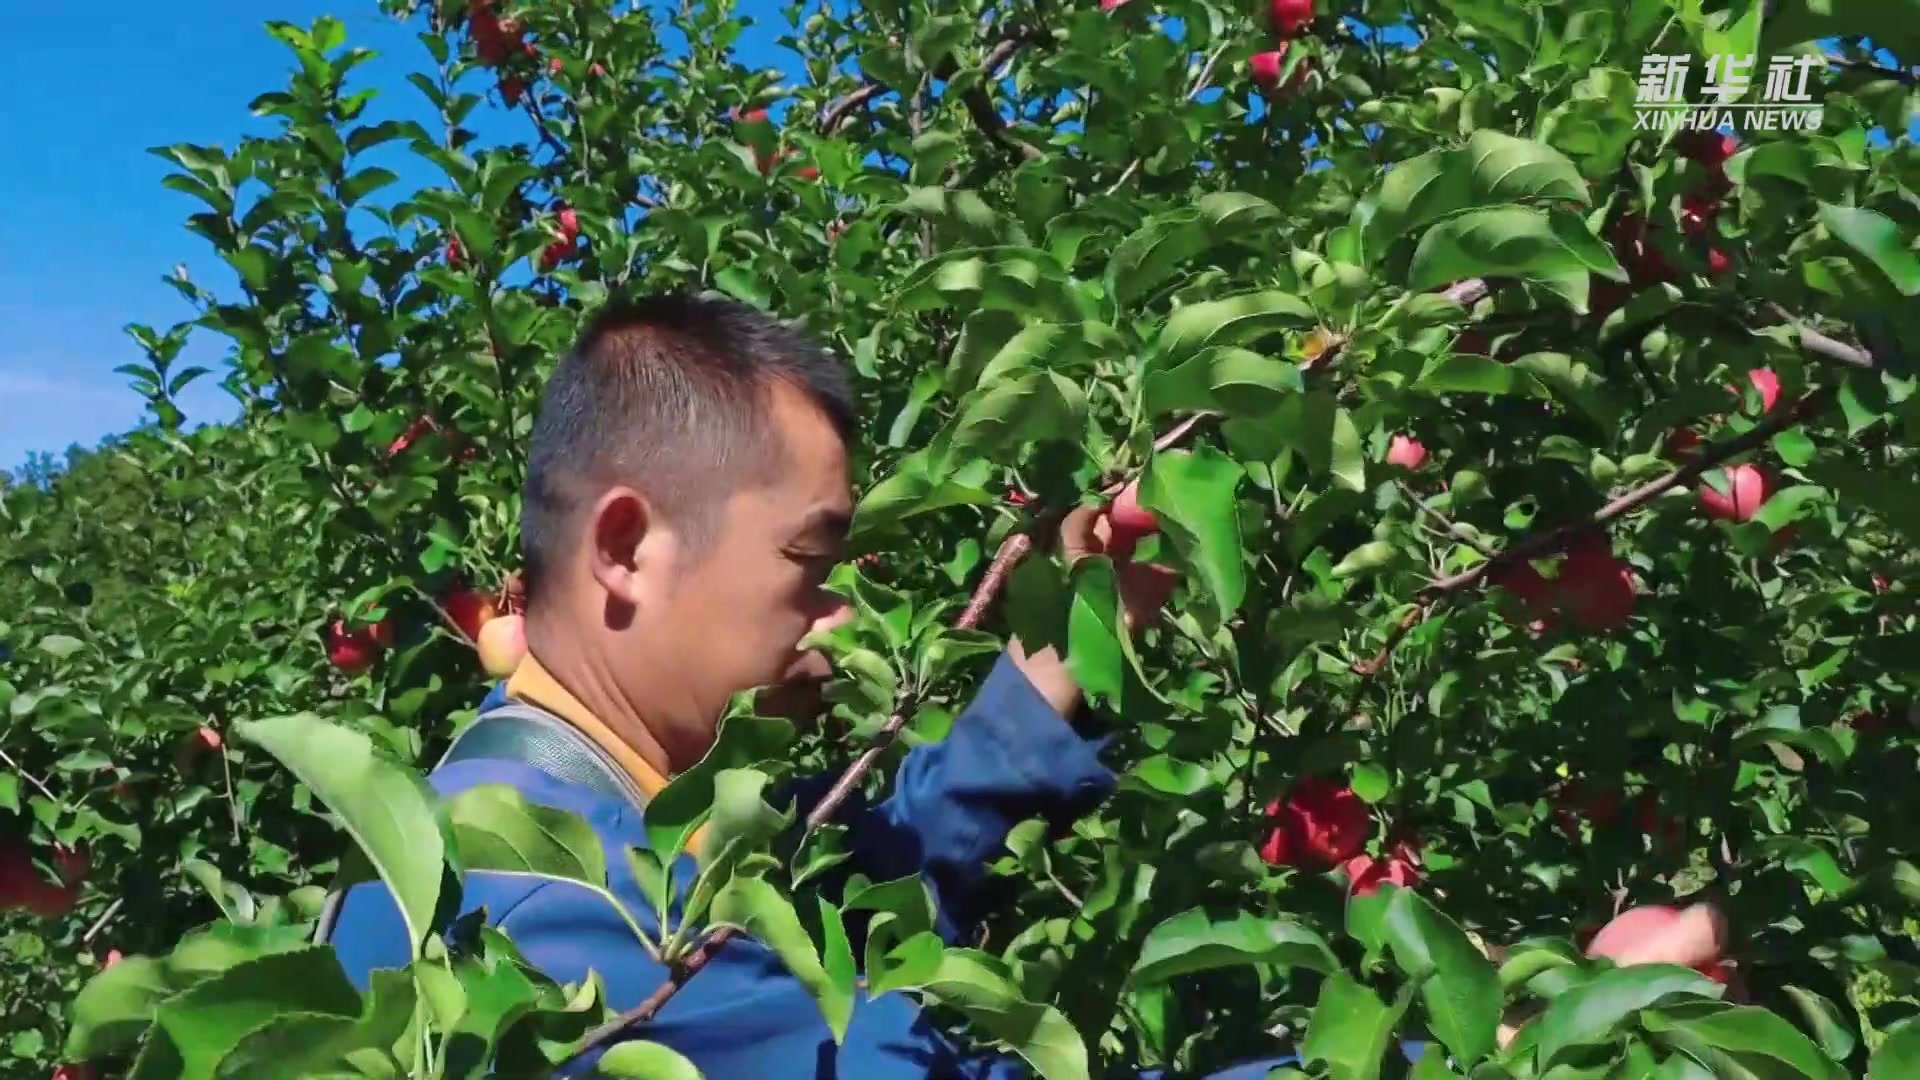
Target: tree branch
(1438, 592)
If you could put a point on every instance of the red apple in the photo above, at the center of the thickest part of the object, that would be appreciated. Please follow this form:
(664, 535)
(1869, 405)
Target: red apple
(1109, 5)
(1694, 937)
(1682, 442)
(1266, 67)
(470, 611)
(511, 88)
(1735, 494)
(1594, 589)
(596, 70)
(1662, 830)
(1400, 866)
(72, 864)
(502, 645)
(1767, 383)
(193, 745)
(1277, 848)
(1129, 521)
(350, 650)
(1290, 15)
(1633, 244)
(1575, 803)
(1697, 212)
(1534, 592)
(1718, 262)
(808, 172)
(1406, 452)
(555, 65)
(113, 957)
(569, 222)
(456, 253)
(414, 430)
(78, 1070)
(753, 116)
(1325, 821)
(553, 254)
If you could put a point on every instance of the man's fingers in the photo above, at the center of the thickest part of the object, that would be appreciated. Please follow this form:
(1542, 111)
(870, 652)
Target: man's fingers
(1084, 531)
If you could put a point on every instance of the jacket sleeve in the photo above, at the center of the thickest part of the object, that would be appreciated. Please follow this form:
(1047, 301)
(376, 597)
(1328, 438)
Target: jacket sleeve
(1009, 757)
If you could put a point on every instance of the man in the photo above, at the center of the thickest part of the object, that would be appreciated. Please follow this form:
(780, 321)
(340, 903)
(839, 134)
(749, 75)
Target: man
(687, 495)
(686, 498)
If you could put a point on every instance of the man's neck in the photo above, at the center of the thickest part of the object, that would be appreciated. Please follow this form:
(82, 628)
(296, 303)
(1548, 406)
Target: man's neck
(581, 673)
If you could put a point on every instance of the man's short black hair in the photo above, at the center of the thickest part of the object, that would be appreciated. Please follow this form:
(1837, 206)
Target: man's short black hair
(669, 394)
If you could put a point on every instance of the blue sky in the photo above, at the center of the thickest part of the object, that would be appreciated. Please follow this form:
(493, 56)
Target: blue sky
(88, 229)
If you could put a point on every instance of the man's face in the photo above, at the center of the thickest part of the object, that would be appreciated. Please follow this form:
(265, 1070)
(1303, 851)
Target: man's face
(735, 617)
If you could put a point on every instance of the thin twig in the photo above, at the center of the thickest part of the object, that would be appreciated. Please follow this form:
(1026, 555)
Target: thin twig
(1447, 523)
(29, 777)
(100, 923)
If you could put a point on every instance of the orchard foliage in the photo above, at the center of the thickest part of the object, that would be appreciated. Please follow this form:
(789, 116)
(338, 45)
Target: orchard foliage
(1541, 490)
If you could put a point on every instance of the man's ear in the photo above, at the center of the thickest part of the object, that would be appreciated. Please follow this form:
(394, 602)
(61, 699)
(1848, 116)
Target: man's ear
(623, 535)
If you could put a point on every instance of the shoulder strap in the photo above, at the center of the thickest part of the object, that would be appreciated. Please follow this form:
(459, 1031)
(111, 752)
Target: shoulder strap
(516, 731)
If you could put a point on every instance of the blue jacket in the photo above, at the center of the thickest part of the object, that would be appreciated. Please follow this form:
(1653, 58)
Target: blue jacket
(1009, 757)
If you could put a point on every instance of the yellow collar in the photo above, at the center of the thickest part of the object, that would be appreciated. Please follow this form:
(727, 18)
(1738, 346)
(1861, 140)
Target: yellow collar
(532, 683)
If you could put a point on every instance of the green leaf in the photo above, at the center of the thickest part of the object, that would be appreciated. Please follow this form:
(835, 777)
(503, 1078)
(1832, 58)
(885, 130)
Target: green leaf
(1351, 1029)
(681, 806)
(741, 821)
(641, 1060)
(1462, 995)
(208, 1021)
(1195, 495)
(1898, 1058)
(60, 646)
(1156, 251)
(496, 828)
(1235, 382)
(1747, 1033)
(1236, 320)
(1552, 249)
(979, 986)
(116, 1006)
(1492, 170)
(756, 906)
(387, 808)
(1094, 631)
(1875, 238)
(1593, 1010)
(1195, 941)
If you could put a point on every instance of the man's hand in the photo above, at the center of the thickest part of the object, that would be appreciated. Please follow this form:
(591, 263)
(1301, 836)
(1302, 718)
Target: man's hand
(1144, 591)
